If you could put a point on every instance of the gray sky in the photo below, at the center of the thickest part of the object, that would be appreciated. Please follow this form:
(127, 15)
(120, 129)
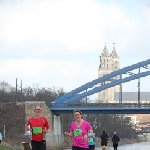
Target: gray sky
(58, 42)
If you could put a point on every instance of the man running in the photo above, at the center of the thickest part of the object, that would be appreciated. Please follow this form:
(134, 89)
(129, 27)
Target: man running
(104, 140)
(39, 126)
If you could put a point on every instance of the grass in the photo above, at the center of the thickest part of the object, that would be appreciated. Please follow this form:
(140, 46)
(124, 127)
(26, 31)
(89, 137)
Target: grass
(2, 147)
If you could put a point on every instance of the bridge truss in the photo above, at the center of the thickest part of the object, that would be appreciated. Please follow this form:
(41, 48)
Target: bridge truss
(109, 80)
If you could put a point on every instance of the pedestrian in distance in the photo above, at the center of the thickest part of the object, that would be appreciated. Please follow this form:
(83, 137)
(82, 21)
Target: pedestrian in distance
(115, 141)
(80, 130)
(39, 126)
(104, 140)
(1, 137)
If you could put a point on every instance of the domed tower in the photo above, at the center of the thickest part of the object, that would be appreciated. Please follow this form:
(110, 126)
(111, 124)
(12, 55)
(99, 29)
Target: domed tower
(108, 64)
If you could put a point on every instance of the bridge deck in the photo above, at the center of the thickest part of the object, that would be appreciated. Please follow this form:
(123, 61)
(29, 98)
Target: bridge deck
(101, 108)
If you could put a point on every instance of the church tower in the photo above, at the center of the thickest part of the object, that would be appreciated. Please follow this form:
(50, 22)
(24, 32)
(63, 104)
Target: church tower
(108, 64)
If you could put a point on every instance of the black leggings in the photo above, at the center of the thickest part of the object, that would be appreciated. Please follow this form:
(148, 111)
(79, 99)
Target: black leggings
(91, 147)
(79, 148)
(115, 146)
(38, 145)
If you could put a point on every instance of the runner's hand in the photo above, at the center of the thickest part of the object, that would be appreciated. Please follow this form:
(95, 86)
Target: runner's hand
(67, 133)
(96, 138)
(46, 131)
(84, 137)
(28, 128)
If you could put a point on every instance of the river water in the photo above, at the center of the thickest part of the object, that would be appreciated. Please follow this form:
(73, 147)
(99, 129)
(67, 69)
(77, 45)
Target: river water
(135, 146)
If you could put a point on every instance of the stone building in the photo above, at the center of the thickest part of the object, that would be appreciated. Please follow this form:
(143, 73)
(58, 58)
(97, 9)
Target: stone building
(108, 63)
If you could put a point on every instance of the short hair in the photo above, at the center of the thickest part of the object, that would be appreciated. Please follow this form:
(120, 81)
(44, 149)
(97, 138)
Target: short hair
(39, 106)
(104, 131)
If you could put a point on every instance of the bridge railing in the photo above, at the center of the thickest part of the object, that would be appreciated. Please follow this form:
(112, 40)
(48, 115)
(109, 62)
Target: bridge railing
(101, 105)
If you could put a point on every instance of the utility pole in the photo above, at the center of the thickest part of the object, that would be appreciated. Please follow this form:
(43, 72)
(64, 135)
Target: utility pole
(139, 92)
(21, 90)
(120, 93)
(17, 90)
(4, 131)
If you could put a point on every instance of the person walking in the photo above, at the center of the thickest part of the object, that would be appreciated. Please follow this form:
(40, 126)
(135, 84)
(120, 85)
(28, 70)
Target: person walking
(115, 141)
(104, 140)
(80, 130)
(39, 126)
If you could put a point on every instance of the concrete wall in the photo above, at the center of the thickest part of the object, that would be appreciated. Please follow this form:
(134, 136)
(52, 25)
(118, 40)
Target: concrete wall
(55, 138)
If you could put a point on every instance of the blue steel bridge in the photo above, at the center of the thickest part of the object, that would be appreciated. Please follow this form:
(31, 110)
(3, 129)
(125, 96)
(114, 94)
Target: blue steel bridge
(68, 102)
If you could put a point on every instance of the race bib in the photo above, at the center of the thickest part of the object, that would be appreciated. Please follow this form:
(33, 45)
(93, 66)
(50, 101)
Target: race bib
(90, 140)
(77, 132)
(37, 130)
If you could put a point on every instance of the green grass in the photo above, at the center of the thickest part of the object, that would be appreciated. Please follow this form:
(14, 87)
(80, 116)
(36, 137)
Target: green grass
(7, 148)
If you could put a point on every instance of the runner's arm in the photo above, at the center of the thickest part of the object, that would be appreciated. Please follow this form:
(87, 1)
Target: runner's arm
(90, 133)
(96, 138)
(47, 126)
(108, 138)
(70, 134)
(27, 126)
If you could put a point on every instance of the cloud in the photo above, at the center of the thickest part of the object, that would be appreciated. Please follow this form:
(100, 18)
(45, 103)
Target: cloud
(54, 72)
(54, 42)
(24, 68)
(80, 26)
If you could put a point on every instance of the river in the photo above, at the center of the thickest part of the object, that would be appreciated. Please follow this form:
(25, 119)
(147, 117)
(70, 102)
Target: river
(135, 146)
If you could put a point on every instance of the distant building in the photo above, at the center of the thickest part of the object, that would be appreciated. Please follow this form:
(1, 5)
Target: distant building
(108, 63)
(132, 120)
(132, 97)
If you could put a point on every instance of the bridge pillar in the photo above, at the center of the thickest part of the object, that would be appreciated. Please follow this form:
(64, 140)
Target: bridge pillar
(55, 138)
(57, 130)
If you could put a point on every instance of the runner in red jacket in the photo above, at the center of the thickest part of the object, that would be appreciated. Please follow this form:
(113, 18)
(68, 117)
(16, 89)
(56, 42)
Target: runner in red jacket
(39, 126)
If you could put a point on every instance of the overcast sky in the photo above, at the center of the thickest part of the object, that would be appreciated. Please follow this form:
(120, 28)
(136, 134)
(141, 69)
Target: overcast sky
(58, 42)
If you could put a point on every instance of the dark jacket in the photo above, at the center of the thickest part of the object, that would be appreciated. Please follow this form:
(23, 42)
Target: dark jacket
(115, 139)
